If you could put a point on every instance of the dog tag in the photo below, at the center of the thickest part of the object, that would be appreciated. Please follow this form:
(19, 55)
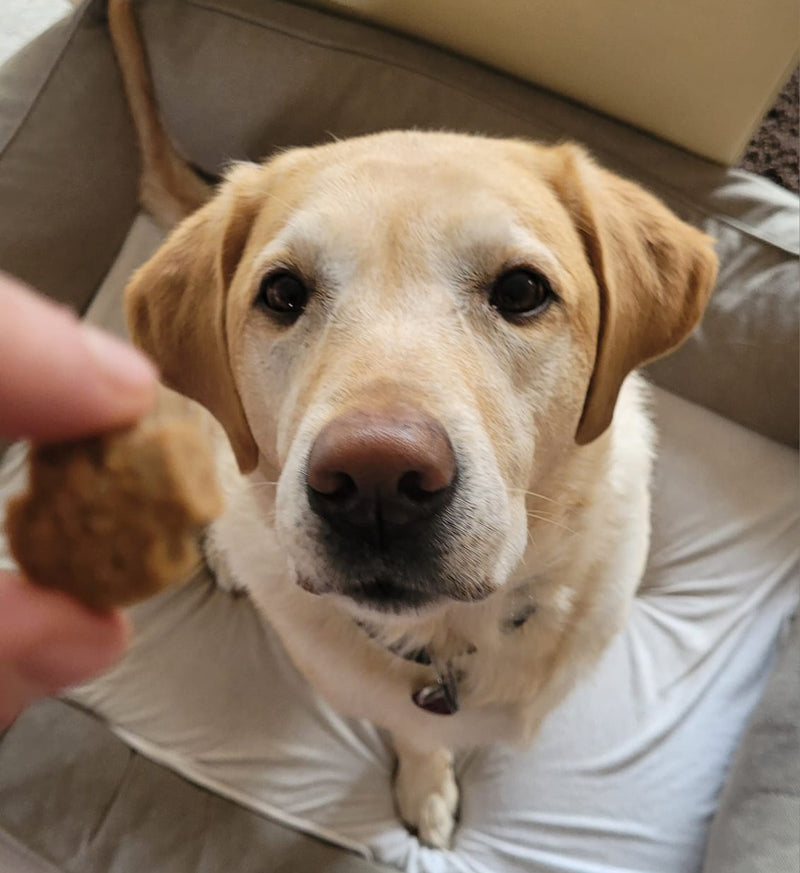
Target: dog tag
(440, 698)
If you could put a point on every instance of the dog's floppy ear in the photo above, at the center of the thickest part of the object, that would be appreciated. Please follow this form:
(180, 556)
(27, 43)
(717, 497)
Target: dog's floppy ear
(175, 305)
(654, 272)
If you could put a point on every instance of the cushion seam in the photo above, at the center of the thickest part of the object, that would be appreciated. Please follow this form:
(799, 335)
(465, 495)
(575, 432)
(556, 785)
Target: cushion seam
(664, 188)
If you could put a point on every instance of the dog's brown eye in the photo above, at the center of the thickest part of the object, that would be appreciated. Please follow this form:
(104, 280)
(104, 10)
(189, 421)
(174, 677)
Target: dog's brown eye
(283, 293)
(520, 292)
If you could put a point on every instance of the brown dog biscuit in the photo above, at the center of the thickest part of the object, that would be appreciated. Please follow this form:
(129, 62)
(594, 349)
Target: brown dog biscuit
(113, 519)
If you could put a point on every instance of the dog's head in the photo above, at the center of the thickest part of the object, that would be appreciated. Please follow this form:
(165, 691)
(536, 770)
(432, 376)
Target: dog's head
(408, 331)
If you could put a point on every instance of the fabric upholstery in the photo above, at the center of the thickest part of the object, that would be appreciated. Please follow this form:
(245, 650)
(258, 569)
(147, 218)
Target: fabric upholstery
(757, 825)
(68, 161)
(75, 799)
(700, 75)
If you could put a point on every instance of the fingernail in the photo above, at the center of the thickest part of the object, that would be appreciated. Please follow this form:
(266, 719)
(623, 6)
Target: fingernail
(120, 363)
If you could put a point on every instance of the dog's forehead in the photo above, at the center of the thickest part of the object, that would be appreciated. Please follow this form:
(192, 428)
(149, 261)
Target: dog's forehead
(421, 177)
(419, 195)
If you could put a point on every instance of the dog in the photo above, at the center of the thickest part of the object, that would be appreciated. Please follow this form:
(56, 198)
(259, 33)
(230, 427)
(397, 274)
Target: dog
(421, 349)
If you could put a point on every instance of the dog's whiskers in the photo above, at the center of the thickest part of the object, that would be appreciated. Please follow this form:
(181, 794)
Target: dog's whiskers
(539, 517)
(263, 484)
(535, 494)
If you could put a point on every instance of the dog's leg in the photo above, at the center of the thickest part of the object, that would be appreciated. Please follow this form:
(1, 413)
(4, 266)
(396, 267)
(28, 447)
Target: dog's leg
(426, 792)
(219, 567)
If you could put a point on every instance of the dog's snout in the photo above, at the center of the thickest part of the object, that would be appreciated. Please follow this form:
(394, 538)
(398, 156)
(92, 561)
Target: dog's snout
(377, 471)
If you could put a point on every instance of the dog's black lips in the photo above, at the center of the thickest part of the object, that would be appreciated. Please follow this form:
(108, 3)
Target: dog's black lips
(385, 594)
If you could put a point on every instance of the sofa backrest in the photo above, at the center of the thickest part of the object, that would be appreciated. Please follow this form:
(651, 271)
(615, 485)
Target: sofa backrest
(243, 78)
(699, 74)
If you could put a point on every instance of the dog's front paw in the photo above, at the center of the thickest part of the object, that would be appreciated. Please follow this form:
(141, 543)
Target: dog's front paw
(427, 795)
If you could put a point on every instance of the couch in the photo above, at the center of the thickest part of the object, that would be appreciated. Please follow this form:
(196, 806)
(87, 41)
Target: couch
(680, 754)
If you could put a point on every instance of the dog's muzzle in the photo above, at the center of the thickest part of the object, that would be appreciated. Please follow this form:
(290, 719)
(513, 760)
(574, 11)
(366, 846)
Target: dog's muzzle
(381, 481)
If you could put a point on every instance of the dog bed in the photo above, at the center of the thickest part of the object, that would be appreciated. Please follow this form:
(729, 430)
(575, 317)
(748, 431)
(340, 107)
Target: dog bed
(624, 776)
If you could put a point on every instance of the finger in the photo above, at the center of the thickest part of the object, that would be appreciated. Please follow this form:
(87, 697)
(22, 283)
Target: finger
(49, 641)
(60, 378)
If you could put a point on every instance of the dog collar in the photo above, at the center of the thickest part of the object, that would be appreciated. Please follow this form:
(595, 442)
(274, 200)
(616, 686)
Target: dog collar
(441, 697)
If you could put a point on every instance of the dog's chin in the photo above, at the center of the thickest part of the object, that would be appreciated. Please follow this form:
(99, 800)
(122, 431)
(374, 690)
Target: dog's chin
(382, 595)
(385, 595)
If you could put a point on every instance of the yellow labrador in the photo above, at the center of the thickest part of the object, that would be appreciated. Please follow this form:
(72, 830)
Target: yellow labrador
(420, 347)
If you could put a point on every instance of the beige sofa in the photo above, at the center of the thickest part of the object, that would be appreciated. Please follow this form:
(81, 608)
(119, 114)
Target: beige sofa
(239, 78)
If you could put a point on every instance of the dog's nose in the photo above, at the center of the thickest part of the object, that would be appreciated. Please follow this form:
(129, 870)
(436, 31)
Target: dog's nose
(378, 471)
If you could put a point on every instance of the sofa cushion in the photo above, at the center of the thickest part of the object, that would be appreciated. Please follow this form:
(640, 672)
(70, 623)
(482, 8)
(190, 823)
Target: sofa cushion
(686, 72)
(68, 161)
(756, 828)
(75, 799)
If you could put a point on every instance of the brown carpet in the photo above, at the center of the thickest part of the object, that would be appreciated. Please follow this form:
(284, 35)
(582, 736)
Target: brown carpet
(773, 151)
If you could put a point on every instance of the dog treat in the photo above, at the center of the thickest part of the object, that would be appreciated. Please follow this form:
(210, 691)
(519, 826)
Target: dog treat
(113, 519)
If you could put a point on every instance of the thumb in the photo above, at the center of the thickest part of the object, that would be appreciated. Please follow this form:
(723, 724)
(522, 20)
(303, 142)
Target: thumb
(60, 378)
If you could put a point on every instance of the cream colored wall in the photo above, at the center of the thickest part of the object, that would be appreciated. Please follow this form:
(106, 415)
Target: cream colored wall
(700, 73)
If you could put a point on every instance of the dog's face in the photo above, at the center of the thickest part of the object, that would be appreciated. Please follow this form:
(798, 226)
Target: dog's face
(409, 332)
(437, 354)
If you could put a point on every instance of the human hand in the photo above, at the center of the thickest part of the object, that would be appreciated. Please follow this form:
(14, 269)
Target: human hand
(59, 379)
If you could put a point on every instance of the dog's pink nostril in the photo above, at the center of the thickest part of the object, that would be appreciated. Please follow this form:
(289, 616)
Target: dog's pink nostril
(388, 466)
(329, 483)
